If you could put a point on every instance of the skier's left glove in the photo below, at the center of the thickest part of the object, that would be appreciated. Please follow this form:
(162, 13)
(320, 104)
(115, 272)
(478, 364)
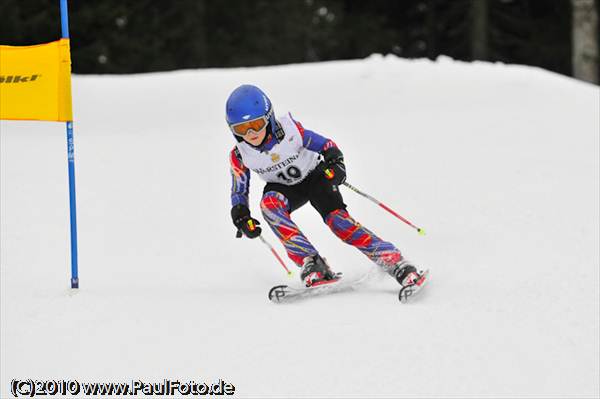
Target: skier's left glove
(334, 167)
(244, 222)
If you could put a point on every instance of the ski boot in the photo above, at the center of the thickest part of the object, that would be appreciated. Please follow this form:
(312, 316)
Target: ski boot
(411, 281)
(316, 271)
(405, 273)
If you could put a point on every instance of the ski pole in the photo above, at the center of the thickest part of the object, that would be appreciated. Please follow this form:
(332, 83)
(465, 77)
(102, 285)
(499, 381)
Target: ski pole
(289, 273)
(239, 234)
(356, 190)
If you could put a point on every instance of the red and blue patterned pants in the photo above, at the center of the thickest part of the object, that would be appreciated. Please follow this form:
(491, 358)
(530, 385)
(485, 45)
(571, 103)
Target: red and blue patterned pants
(276, 211)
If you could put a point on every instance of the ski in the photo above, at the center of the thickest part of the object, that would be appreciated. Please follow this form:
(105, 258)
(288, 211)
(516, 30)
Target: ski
(285, 293)
(407, 293)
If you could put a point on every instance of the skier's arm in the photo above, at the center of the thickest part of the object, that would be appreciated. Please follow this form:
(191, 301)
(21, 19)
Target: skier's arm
(240, 188)
(334, 167)
(240, 179)
(313, 141)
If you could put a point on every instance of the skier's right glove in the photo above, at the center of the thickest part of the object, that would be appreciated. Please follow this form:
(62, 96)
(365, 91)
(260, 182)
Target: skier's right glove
(244, 222)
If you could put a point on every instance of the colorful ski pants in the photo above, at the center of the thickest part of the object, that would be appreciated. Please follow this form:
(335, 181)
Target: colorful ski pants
(276, 211)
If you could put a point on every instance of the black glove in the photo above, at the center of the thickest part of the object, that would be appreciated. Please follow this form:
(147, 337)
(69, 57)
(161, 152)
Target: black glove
(334, 168)
(244, 222)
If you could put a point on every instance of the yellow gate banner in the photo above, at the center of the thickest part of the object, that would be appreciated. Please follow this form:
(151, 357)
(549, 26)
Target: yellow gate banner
(35, 82)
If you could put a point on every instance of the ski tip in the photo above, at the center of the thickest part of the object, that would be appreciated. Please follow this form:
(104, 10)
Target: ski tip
(421, 231)
(277, 293)
(407, 293)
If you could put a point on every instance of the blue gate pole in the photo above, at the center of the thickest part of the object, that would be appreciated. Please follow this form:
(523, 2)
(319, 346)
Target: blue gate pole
(64, 22)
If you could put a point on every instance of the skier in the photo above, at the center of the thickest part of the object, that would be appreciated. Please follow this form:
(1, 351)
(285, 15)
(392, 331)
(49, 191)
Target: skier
(299, 166)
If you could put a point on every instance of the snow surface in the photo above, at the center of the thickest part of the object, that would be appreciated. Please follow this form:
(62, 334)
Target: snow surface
(500, 165)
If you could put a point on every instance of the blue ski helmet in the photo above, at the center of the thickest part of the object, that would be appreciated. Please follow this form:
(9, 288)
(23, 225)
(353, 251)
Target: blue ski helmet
(248, 102)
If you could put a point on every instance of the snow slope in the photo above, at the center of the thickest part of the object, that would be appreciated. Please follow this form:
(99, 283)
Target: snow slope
(500, 165)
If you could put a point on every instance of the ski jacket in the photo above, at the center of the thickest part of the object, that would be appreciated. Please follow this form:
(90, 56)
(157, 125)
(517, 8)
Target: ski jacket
(286, 157)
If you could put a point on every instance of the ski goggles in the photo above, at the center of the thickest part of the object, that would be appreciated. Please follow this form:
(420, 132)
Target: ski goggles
(256, 125)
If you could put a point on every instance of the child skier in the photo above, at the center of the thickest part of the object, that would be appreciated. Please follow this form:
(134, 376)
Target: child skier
(299, 166)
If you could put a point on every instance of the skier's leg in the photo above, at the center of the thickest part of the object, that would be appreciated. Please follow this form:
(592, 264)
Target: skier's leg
(383, 253)
(328, 201)
(276, 210)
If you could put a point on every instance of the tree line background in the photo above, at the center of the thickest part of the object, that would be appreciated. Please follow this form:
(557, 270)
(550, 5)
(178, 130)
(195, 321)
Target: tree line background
(132, 36)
